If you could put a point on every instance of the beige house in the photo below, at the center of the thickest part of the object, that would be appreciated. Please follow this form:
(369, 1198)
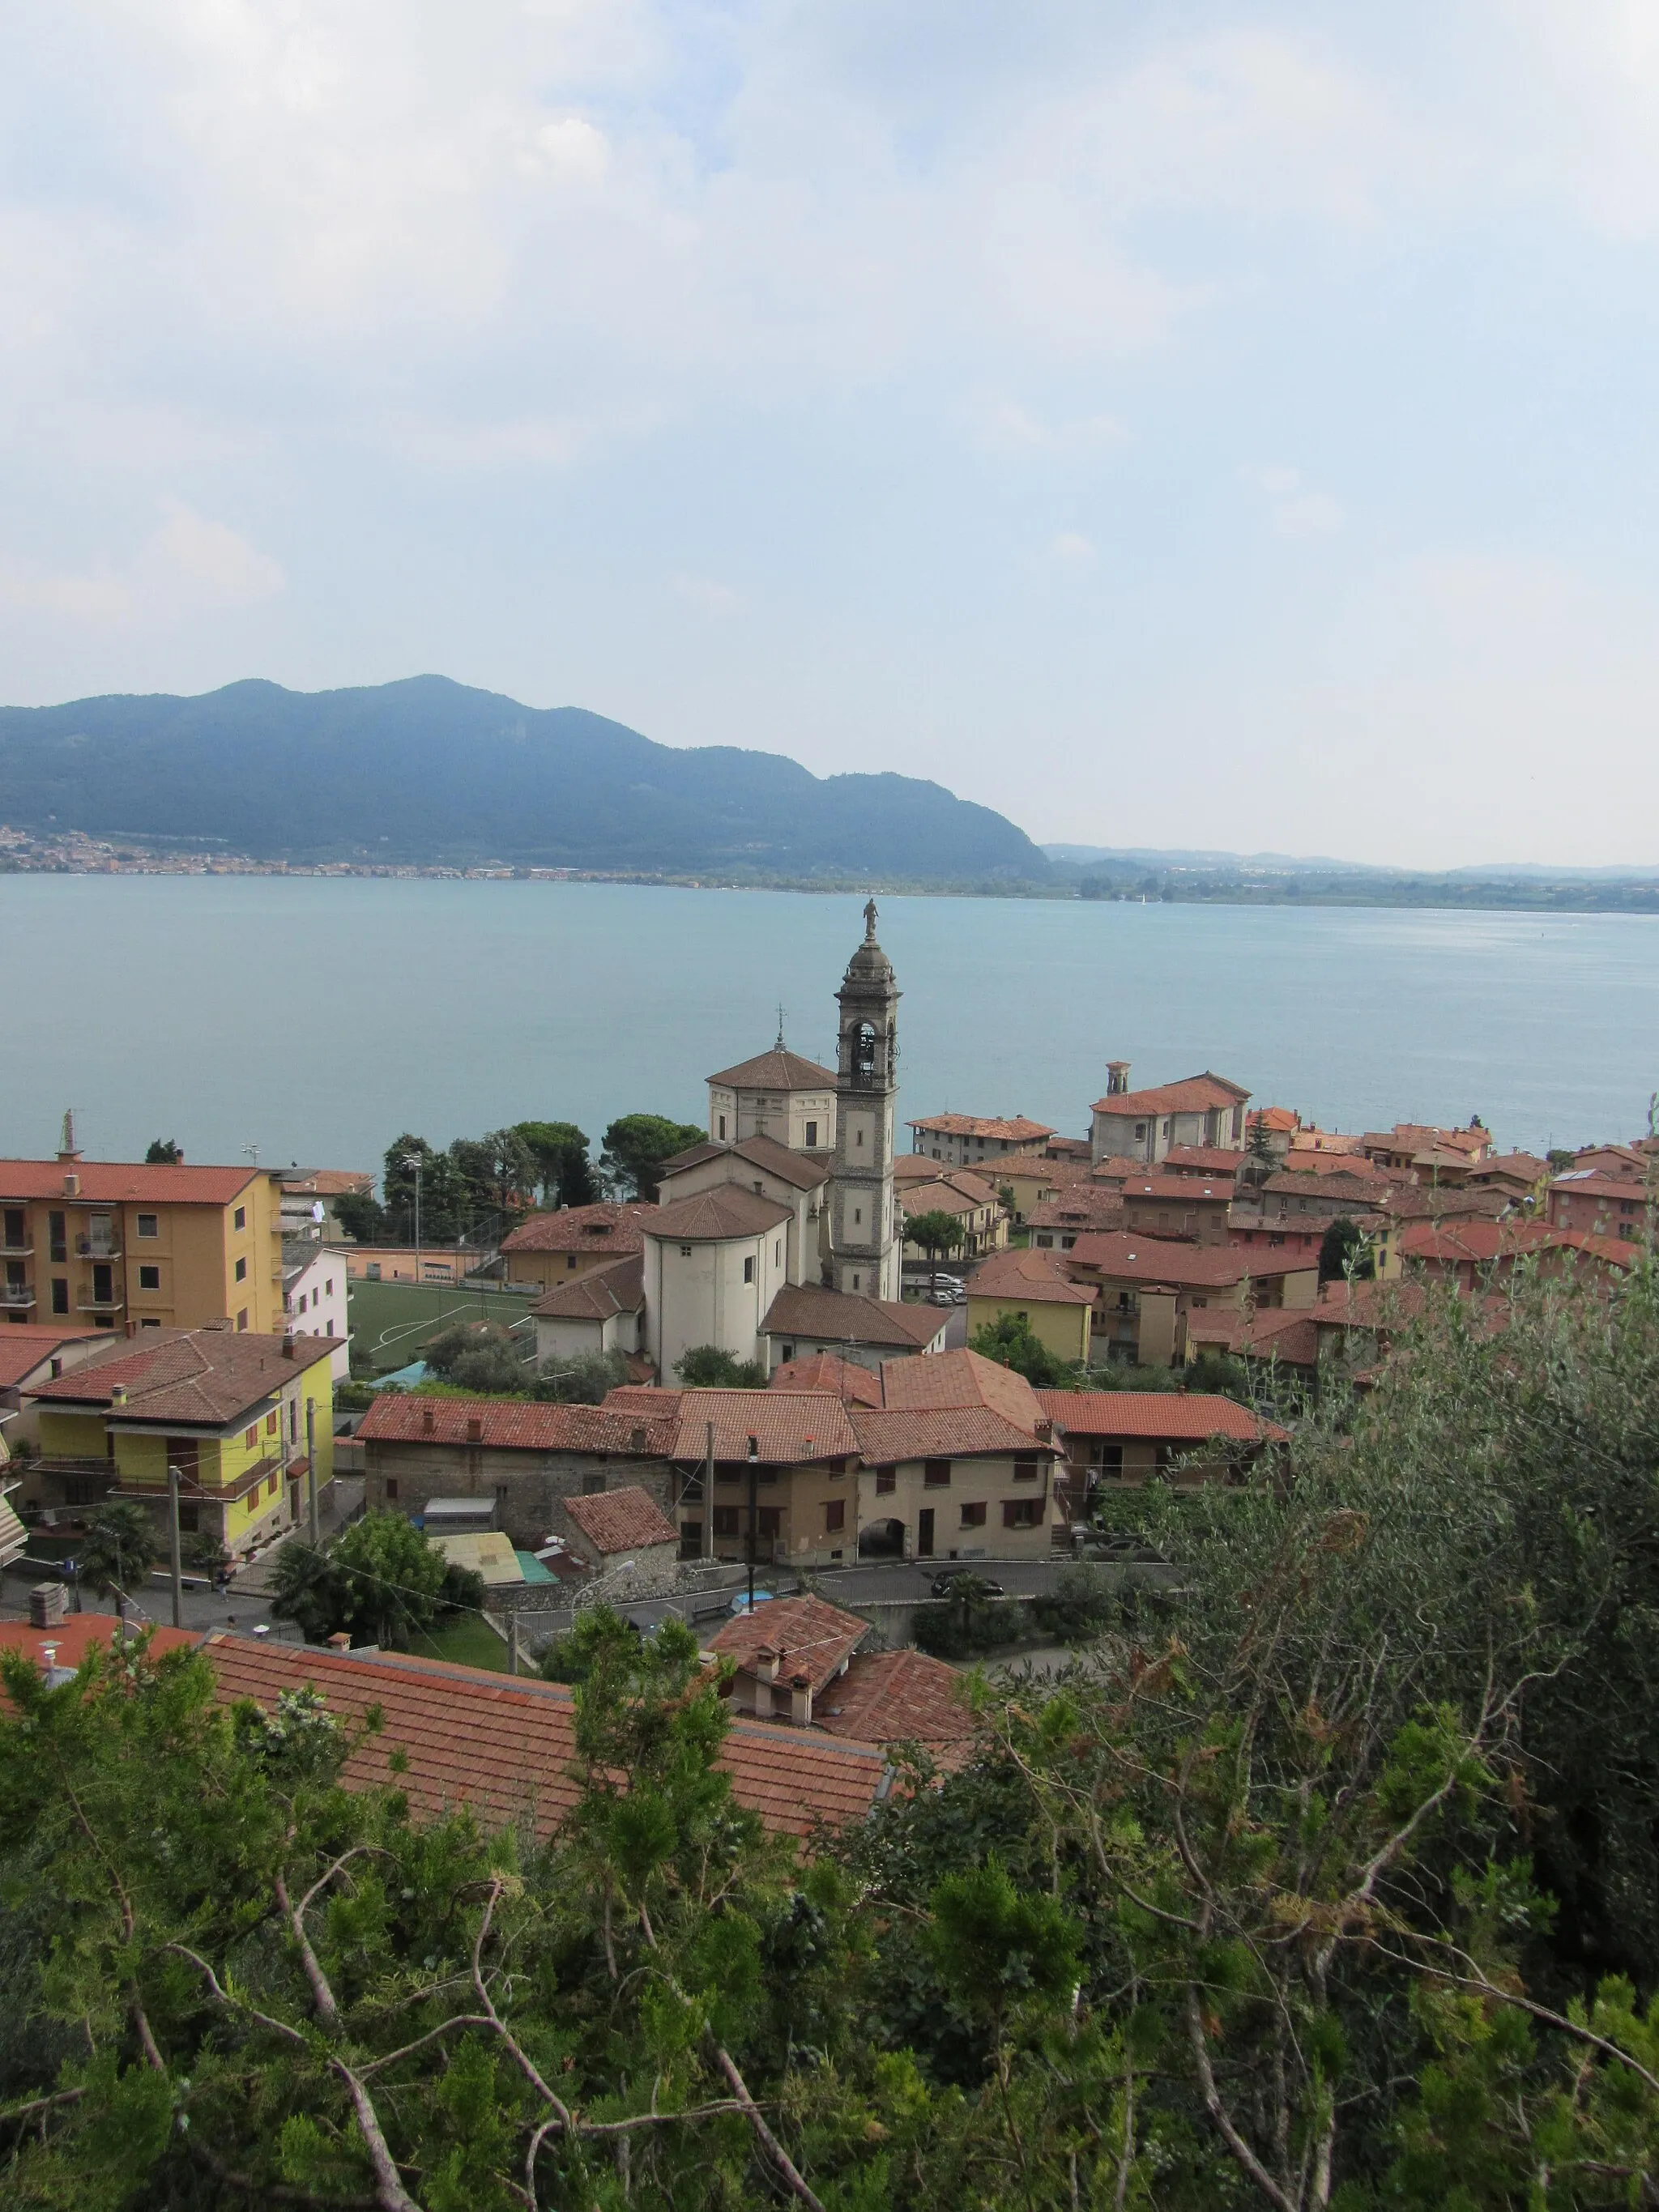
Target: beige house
(550, 1248)
(610, 1530)
(777, 1095)
(712, 1264)
(1184, 1205)
(1146, 1125)
(1123, 1439)
(1034, 1287)
(1081, 1209)
(969, 1199)
(977, 1140)
(1145, 1286)
(804, 1320)
(600, 1311)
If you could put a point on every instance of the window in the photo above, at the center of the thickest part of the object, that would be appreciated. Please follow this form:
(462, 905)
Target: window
(1140, 1128)
(270, 1486)
(239, 1219)
(149, 1224)
(570, 1260)
(748, 1268)
(591, 1485)
(886, 1479)
(241, 1271)
(150, 1321)
(59, 1294)
(777, 1251)
(858, 1216)
(789, 1351)
(722, 1128)
(835, 1514)
(685, 1251)
(241, 1319)
(189, 1520)
(58, 1235)
(858, 1136)
(251, 1436)
(16, 1229)
(1020, 1512)
(973, 1517)
(726, 1519)
(771, 1521)
(391, 1486)
(935, 1473)
(328, 1288)
(149, 1279)
(1025, 1470)
(812, 1135)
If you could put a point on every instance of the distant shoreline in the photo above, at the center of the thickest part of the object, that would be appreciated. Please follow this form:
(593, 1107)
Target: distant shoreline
(1404, 896)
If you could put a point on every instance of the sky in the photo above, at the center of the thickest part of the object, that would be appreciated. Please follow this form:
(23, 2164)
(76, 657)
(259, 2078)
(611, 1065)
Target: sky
(1204, 426)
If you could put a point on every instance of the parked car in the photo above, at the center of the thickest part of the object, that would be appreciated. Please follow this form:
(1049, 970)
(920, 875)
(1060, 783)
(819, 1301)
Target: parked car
(940, 1585)
(1122, 1544)
(947, 1294)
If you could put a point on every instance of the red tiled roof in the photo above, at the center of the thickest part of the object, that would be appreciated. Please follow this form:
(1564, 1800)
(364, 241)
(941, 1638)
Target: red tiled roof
(599, 1295)
(506, 1747)
(1483, 1242)
(1273, 1117)
(959, 1378)
(1182, 1190)
(944, 1194)
(1084, 1206)
(1029, 1168)
(24, 1347)
(325, 1182)
(1195, 1094)
(805, 1171)
(515, 1424)
(1186, 1417)
(1202, 1159)
(620, 1520)
(810, 1637)
(900, 1697)
(802, 1309)
(197, 1377)
(708, 1216)
(828, 1370)
(940, 1433)
(81, 1633)
(1032, 1276)
(104, 1182)
(1160, 1259)
(791, 1428)
(777, 1070)
(1583, 1183)
(608, 1226)
(1012, 1129)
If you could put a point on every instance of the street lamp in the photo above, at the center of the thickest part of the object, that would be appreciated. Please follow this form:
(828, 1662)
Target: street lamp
(413, 1160)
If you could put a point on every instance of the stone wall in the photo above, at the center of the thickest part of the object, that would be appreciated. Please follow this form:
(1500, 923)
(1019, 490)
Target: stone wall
(522, 1487)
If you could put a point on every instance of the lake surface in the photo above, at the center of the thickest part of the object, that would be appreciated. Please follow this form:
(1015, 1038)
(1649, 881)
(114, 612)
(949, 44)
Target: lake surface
(317, 1019)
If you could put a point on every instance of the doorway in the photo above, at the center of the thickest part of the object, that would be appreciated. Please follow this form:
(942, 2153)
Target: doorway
(924, 1533)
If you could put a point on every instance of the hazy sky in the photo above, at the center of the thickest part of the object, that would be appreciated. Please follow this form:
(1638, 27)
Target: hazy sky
(1178, 425)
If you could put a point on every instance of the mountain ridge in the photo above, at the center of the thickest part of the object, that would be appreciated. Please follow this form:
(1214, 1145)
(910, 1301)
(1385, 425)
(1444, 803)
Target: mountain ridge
(425, 769)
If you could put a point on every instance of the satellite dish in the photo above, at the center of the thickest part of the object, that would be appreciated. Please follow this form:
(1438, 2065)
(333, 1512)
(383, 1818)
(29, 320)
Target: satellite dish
(316, 1209)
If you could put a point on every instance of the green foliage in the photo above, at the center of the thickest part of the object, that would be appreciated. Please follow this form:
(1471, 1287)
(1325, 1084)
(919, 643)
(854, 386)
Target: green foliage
(706, 1367)
(1345, 1253)
(635, 1146)
(479, 1355)
(380, 1581)
(935, 1231)
(362, 1216)
(591, 1637)
(560, 1151)
(163, 1151)
(1010, 1341)
(971, 1621)
(585, 1380)
(1081, 1605)
(122, 1547)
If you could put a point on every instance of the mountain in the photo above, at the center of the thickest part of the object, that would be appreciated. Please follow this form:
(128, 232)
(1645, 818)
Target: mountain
(427, 770)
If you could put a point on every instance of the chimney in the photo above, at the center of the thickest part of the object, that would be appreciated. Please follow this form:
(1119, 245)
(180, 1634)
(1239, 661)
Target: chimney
(71, 1185)
(800, 1699)
(68, 1150)
(475, 1428)
(48, 1605)
(289, 1346)
(1044, 1431)
(428, 1419)
(340, 1641)
(636, 1438)
(117, 1395)
(766, 1663)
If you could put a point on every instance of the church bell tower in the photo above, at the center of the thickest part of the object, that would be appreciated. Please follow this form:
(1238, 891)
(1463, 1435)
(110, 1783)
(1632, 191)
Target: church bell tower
(865, 1243)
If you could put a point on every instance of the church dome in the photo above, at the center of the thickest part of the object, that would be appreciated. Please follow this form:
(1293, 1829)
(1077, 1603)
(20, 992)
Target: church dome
(870, 964)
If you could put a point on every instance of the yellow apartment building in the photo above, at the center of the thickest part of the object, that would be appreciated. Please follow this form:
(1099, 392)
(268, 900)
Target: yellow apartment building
(228, 1409)
(1035, 1286)
(89, 1244)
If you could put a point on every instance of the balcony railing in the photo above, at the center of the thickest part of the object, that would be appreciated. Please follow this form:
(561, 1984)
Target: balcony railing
(89, 1248)
(15, 1298)
(97, 1305)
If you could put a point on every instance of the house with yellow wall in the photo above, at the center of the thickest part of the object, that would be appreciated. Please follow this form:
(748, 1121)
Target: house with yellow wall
(93, 1244)
(1032, 1286)
(228, 1408)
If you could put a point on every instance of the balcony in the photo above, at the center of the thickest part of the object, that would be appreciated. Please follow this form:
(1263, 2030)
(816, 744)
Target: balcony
(92, 1247)
(92, 1304)
(15, 1298)
(10, 1251)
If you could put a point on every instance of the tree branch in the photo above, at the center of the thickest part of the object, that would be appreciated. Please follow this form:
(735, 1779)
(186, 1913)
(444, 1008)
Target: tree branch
(327, 2011)
(1245, 2157)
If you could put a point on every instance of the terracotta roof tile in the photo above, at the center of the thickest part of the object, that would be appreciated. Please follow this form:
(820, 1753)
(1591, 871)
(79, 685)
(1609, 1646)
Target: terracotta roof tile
(1191, 1416)
(709, 1216)
(941, 1432)
(812, 1637)
(516, 1425)
(104, 1182)
(1202, 1159)
(1161, 1259)
(197, 1377)
(607, 1227)
(805, 1171)
(620, 1520)
(24, 1348)
(828, 1370)
(1083, 1206)
(777, 1070)
(599, 1295)
(959, 1378)
(791, 1428)
(901, 1696)
(82, 1632)
(802, 1309)
(505, 1746)
(1195, 1094)
(1012, 1129)
(1029, 1274)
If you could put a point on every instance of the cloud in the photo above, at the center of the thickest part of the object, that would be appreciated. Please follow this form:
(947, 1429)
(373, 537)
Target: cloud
(1005, 425)
(1072, 547)
(707, 597)
(1294, 507)
(189, 566)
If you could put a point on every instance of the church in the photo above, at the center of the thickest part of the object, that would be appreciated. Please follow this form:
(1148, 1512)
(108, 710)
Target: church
(779, 1236)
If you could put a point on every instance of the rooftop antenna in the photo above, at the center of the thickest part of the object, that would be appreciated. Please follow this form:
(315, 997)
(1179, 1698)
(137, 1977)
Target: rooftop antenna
(66, 1145)
(779, 1047)
(253, 1152)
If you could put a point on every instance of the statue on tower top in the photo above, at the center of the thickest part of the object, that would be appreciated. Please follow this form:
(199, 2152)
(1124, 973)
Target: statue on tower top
(869, 922)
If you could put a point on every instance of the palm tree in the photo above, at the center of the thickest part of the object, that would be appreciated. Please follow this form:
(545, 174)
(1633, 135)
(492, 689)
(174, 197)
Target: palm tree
(120, 1550)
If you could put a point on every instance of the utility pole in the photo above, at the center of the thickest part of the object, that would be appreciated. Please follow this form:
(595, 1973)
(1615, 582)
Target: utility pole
(754, 1512)
(707, 1545)
(512, 1644)
(310, 1470)
(172, 1545)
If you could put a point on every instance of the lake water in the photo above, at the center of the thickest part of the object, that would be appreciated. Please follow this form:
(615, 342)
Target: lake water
(318, 1018)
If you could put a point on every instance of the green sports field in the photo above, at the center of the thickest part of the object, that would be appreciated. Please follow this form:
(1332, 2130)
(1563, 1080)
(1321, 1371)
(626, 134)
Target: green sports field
(390, 1321)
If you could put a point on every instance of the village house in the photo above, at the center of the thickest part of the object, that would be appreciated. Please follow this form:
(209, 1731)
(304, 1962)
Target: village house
(805, 1319)
(311, 1195)
(1209, 1163)
(1123, 1439)
(314, 1297)
(610, 1530)
(1430, 1153)
(1188, 1206)
(1281, 1126)
(87, 1244)
(227, 1410)
(1471, 1253)
(29, 1356)
(1030, 1182)
(1146, 1288)
(1521, 1178)
(1144, 1125)
(600, 1311)
(1601, 1205)
(1031, 1286)
(967, 1141)
(1055, 1226)
(519, 1460)
(547, 1249)
(970, 1202)
(1291, 1212)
